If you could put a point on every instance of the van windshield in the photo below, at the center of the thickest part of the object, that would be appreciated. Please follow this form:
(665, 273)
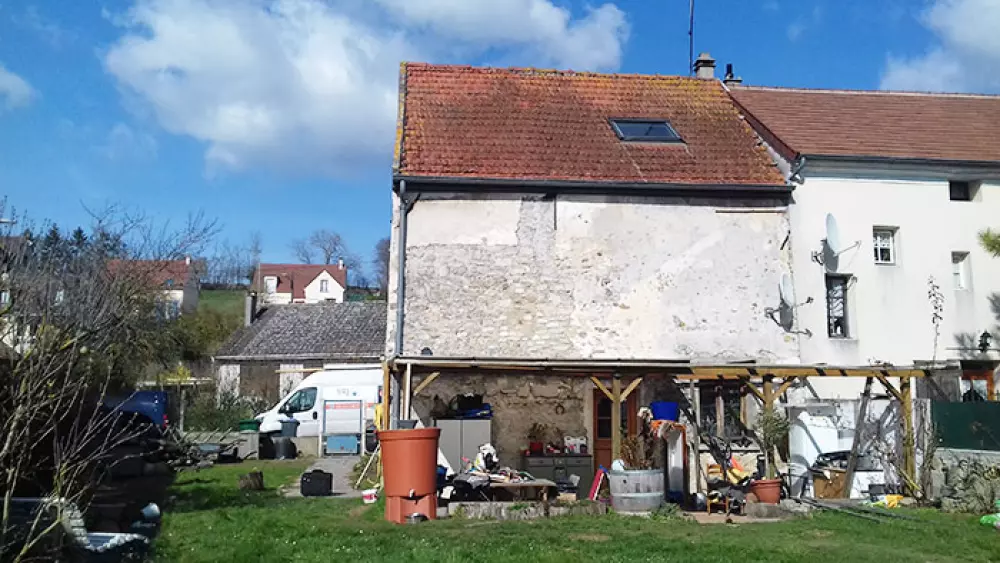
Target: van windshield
(300, 401)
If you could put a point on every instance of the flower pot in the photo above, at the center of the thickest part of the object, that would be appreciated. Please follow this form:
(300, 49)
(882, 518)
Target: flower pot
(767, 491)
(536, 448)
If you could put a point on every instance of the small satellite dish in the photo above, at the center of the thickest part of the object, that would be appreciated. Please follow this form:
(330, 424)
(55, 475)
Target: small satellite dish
(787, 290)
(832, 233)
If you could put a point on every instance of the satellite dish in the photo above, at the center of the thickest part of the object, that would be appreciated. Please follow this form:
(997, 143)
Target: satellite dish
(787, 290)
(832, 233)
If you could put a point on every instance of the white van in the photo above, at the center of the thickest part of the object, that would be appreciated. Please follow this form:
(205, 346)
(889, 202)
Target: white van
(318, 398)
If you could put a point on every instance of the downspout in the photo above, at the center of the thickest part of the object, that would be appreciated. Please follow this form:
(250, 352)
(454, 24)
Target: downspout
(405, 206)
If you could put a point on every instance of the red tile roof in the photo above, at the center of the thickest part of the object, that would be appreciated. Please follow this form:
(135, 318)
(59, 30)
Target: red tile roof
(293, 278)
(529, 124)
(877, 124)
(167, 274)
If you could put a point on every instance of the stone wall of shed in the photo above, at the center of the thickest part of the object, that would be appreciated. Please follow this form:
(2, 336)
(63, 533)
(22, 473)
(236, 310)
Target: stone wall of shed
(593, 277)
(564, 404)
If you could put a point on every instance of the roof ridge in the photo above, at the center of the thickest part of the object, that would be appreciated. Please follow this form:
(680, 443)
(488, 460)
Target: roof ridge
(850, 91)
(521, 70)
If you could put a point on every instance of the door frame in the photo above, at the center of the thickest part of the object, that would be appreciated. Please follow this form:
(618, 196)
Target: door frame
(629, 411)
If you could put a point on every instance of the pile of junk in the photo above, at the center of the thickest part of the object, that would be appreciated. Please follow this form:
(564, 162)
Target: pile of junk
(474, 480)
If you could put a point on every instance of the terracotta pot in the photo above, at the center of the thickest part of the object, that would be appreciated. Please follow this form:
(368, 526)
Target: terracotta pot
(768, 491)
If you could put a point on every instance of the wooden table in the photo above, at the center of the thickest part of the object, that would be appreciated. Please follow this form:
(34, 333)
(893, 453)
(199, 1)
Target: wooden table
(542, 488)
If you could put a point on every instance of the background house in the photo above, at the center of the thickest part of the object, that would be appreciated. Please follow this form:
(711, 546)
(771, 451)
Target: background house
(580, 216)
(179, 281)
(909, 181)
(301, 283)
(289, 338)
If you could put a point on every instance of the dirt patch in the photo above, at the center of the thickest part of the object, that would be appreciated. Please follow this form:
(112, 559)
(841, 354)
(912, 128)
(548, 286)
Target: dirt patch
(821, 533)
(591, 537)
(359, 510)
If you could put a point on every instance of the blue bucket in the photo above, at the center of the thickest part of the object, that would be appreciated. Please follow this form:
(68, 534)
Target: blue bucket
(664, 410)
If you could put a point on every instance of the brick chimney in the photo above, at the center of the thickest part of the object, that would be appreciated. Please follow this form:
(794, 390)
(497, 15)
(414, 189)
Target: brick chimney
(704, 66)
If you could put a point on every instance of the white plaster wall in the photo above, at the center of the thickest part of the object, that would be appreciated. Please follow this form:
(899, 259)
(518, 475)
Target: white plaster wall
(593, 277)
(277, 298)
(889, 312)
(313, 294)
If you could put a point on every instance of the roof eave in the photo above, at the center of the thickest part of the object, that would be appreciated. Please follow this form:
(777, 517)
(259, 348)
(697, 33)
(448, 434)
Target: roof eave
(979, 168)
(518, 185)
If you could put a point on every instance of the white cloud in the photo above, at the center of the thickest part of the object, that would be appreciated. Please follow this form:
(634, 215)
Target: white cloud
(966, 56)
(50, 31)
(306, 86)
(15, 92)
(125, 143)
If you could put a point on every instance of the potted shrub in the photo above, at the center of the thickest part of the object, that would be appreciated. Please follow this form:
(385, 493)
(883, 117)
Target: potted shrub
(536, 438)
(772, 429)
(638, 487)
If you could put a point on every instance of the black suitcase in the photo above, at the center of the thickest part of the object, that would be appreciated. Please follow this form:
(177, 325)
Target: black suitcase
(316, 483)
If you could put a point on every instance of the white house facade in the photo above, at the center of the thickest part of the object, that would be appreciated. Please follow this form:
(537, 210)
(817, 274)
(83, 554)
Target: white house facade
(885, 222)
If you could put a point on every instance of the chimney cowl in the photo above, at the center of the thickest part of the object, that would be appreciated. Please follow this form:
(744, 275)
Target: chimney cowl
(731, 79)
(704, 66)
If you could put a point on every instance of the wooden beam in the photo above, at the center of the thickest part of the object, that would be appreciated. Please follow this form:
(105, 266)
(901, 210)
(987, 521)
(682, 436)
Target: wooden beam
(631, 387)
(786, 384)
(859, 425)
(803, 371)
(752, 388)
(616, 417)
(600, 385)
(888, 386)
(425, 382)
(909, 442)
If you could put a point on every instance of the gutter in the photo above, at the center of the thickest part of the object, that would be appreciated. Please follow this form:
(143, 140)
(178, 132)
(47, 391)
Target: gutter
(972, 164)
(516, 185)
(299, 357)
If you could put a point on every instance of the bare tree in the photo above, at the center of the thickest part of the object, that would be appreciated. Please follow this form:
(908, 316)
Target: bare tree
(76, 322)
(303, 251)
(329, 244)
(380, 264)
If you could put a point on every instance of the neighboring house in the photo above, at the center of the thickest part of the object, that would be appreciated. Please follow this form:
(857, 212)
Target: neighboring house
(271, 355)
(584, 217)
(179, 281)
(909, 180)
(301, 283)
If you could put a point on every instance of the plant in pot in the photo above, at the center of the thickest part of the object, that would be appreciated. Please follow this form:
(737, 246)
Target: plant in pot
(772, 429)
(536, 438)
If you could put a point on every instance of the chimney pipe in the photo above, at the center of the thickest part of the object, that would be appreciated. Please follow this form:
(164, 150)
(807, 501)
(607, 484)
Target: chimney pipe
(340, 263)
(704, 66)
(731, 79)
(250, 308)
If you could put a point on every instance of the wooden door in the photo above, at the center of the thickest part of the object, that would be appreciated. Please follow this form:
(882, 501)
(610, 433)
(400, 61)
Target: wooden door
(602, 426)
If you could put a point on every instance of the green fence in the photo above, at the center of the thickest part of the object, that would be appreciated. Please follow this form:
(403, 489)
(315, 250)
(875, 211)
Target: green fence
(970, 426)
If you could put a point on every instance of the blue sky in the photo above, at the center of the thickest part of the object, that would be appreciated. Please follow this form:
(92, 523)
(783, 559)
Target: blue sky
(278, 115)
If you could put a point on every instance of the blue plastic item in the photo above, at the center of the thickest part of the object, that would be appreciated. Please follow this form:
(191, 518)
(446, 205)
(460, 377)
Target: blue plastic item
(664, 410)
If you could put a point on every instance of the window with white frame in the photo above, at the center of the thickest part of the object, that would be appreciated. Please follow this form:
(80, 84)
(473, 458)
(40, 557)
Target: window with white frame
(324, 286)
(271, 284)
(960, 270)
(884, 243)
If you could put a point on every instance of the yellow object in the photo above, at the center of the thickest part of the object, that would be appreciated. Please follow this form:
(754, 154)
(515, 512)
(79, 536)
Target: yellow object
(890, 501)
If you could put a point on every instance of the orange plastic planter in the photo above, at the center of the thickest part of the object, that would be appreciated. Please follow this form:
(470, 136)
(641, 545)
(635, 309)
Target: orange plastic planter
(409, 469)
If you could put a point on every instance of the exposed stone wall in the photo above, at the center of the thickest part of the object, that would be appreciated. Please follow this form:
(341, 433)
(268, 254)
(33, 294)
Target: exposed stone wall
(593, 277)
(563, 403)
(966, 480)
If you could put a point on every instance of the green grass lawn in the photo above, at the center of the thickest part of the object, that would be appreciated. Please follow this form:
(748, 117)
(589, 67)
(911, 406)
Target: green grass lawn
(210, 520)
(228, 302)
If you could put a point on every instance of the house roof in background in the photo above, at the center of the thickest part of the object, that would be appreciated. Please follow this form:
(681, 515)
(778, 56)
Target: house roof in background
(527, 124)
(846, 123)
(168, 274)
(293, 278)
(312, 331)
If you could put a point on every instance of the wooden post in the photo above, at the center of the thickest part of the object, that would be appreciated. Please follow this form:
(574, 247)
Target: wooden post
(180, 414)
(909, 444)
(386, 386)
(696, 399)
(768, 392)
(616, 417)
(407, 393)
